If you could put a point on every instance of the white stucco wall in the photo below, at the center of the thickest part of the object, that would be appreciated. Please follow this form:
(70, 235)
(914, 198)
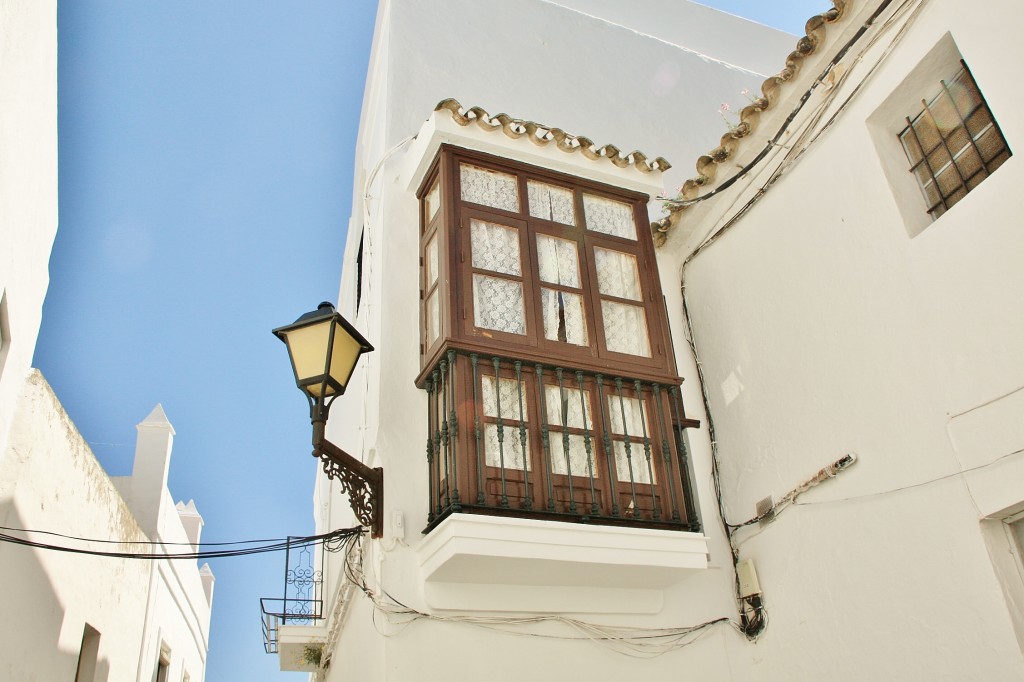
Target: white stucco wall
(626, 89)
(52, 482)
(824, 328)
(28, 183)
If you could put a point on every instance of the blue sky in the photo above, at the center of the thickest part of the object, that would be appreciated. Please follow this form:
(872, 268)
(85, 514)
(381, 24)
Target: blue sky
(206, 152)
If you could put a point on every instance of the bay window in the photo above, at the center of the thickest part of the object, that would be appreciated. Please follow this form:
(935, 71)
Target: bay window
(544, 349)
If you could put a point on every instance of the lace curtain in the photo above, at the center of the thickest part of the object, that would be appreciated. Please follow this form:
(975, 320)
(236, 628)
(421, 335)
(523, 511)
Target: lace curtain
(489, 188)
(511, 446)
(564, 319)
(497, 303)
(617, 274)
(625, 328)
(551, 203)
(610, 217)
(495, 247)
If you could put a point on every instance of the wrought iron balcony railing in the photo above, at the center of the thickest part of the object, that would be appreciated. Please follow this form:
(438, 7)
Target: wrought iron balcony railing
(302, 603)
(508, 437)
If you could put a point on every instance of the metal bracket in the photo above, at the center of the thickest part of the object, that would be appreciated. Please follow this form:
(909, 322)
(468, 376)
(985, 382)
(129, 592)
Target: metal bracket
(363, 485)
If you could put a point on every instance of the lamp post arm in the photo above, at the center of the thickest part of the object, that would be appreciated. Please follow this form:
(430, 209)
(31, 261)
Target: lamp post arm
(364, 485)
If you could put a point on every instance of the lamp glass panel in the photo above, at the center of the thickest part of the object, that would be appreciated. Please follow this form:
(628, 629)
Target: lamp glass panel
(308, 348)
(344, 356)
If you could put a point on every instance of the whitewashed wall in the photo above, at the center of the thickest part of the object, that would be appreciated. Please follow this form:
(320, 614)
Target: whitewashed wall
(589, 76)
(824, 328)
(51, 481)
(28, 183)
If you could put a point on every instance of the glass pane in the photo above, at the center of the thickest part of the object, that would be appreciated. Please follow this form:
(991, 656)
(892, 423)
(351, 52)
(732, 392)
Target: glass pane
(511, 447)
(633, 424)
(948, 180)
(990, 143)
(625, 329)
(433, 201)
(509, 395)
(944, 114)
(979, 121)
(563, 317)
(578, 460)
(489, 188)
(495, 247)
(617, 274)
(559, 262)
(565, 408)
(964, 94)
(635, 464)
(498, 305)
(433, 318)
(430, 262)
(969, 162)
(958, 140)
(956, 196)
(610, 217)
(926, 132)
(550, 202)
(911, 146)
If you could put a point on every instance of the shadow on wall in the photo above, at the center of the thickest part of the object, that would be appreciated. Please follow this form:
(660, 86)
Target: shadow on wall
(34, 616)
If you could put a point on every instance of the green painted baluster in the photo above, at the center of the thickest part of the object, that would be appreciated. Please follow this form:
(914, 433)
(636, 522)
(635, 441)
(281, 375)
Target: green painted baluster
(613, 479)
(528, 503)
(430, 449)
(626, 443)
(647, 447)
(564, 413)
(542, 407)
(501, 432)
(454, 426)
(665, 451)
(594, 509)
(478, 433)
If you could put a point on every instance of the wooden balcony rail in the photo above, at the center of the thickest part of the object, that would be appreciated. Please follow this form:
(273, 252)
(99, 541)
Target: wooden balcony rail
(507, 437)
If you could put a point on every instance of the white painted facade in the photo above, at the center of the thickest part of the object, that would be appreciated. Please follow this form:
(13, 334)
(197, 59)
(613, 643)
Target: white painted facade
(142, 609)
(826, 322)
(28, 186)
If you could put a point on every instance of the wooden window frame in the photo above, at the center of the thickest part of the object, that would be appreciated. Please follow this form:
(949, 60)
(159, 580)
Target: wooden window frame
(456, 313)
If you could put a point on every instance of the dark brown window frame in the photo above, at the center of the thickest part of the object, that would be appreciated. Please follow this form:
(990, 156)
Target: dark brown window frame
(451, 227)
(463, 475)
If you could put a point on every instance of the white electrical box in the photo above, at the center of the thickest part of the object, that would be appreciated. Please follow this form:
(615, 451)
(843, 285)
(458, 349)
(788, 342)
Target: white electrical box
(748, 578)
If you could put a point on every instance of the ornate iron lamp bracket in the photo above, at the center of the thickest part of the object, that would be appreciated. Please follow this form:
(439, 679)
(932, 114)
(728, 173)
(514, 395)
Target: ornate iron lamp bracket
(363, 485)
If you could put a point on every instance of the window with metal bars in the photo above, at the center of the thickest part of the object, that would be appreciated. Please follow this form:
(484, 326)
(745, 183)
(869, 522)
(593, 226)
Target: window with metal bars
(953, 143)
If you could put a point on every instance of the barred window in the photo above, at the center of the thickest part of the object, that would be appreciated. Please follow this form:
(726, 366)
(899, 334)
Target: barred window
(953, 143)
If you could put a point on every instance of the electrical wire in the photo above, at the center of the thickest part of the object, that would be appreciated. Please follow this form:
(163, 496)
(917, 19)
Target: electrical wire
(333, 539)
(638, 642)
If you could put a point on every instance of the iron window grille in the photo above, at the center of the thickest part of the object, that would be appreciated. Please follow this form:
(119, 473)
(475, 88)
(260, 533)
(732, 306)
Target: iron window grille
(953, 143)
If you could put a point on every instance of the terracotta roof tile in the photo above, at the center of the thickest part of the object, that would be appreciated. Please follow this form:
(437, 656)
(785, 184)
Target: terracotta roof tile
(542, 135)
(772, 90)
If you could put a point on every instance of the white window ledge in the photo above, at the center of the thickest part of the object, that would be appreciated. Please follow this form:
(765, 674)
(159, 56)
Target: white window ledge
(473, 562)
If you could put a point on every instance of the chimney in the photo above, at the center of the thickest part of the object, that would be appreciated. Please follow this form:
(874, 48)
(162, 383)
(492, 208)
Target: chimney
(149, 472)
(191, 521)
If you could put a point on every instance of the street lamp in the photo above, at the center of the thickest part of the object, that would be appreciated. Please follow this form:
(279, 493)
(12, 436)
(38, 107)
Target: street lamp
(324, 349)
